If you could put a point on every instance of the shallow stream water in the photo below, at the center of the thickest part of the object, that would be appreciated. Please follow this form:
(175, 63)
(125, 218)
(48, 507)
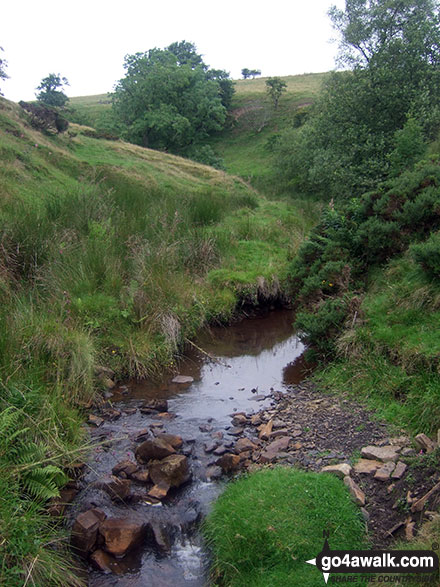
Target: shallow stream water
(240, 365)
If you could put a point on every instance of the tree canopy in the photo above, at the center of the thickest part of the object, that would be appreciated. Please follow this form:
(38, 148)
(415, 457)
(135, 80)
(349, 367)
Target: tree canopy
(275, 87)
(393, 50)
(3, 74)
(50, 92)
(170, 99)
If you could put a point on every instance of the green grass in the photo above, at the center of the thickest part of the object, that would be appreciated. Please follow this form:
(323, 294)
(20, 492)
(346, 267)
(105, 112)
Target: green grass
(266, 525)
(111, 255)
(391, 358)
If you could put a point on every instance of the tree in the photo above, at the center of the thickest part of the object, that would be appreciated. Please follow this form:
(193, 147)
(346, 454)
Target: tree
(50, 94)
(3, 65)
(246, 73)
(393, 50)
(169, 99)
(275, 87)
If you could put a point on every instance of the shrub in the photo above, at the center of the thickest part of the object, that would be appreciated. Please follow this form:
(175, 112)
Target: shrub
(427, 254)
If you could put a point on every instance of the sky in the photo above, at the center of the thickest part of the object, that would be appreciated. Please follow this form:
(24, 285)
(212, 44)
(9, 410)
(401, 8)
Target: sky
(86, 40)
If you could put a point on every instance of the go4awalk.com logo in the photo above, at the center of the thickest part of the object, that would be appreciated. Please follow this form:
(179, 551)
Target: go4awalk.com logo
(377, 565)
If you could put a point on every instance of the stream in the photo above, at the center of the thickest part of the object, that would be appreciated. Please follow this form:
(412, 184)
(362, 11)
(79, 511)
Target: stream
(240, 366)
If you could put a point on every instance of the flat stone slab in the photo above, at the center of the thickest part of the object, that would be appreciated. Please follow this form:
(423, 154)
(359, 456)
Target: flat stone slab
(367, 466)
(399, 471)
(356, 492)
(341, 471)
(182, 379)
(384, 473)
(381, 453)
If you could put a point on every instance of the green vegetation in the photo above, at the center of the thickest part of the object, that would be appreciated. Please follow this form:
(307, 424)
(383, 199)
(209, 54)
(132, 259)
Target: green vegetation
(265, 526)
(113, 255)
(51, 93)
(3, 65)
(344, 147)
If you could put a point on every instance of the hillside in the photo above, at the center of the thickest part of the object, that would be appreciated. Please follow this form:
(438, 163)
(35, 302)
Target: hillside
(245, 144)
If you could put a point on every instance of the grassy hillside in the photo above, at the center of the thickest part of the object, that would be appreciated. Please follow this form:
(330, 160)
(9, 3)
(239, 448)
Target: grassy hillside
(110, 255)
(245, 144)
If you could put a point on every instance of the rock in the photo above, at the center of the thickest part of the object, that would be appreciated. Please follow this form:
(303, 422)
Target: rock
(265, 430)
(257, 398)
(172, 439)
(424, 443)
(153, 449)
(159, 491)
(256, 420)
(85, 530)
(182, 379)
(381, 453)
(355, 491)
(408, 452)
(210, 446)
(95, 420)
(127, 467)
(235, 431)
(129, 411)
(205, 428)
(118, 489)
(418, 505)
(399, 471)
(213, 473)
(101, 371)
(164, 416)
(220, 450)
(367, 466)
(154, 405)
(121, 535)
(173, 470)
(244, 444)
(57, 505)
(140, 476)
(275, 447)
(107, 382)
(409, 530)
(141, 435)
(280, 432)
(161, 536)
(384, 473)
(111, 414)
(105, 562)
(239, 419)
(342, 470)
(228, 462)
(217, 435)
(365, 514)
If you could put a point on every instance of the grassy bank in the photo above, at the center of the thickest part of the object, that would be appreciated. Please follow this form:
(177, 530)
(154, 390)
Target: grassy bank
(110, 255)
(265, 527)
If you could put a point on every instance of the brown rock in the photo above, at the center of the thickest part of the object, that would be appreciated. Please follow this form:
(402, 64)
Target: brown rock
(141, 435)
(85, 530)
(239, 419)
(111, 414)
(118, 489)
(57, 505)
(228, 462)
(161, 536)
(265, 430)
(105, 562)
(399, 471)
(384, 473)
(173, 470)
(165, 416)
(140, 476)
(153, 449)
(95, 420)
(172, 439)
(244, 444)
(381, 453)
(220, 450)
(120, 535)
(275, 447)
(355, 491)
(367, 466)
(342, 470)
(154, 405)
(424, 442)
(256, 420)
(235, 431)
(127, 467)
(159, 491)
(418, 505)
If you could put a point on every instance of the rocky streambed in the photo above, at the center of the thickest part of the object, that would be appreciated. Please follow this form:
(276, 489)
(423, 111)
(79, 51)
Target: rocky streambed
(164, 451)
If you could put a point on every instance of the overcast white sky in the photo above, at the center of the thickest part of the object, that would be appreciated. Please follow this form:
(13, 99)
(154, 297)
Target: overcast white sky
(86, 40)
